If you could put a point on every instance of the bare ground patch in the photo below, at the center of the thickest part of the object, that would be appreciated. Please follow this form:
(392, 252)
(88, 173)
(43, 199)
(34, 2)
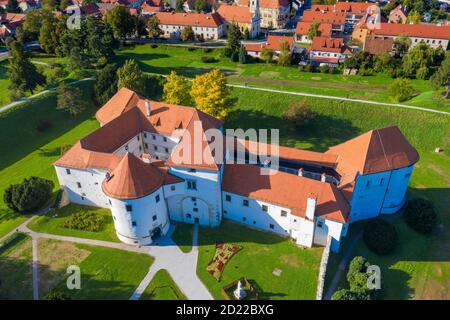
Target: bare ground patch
(54, 258)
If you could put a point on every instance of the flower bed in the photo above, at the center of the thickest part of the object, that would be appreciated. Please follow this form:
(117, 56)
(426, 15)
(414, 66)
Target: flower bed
(224, 252)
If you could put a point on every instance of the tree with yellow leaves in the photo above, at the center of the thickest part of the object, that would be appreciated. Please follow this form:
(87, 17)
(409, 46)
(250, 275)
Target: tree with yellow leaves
(176, 90)
(210, 94)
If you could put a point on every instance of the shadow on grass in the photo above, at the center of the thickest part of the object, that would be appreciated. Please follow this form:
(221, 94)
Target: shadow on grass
(323, 131)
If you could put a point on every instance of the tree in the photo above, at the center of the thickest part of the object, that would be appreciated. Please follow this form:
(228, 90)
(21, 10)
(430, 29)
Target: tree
(28, 195)
(121, 22)
(179, 6)
(233, 46)
(201, 6)
(211, 94)
(176, 90)
(298, 114)
(105, 84)
(345, 294)
(70, 99)
(414, 17)
(285, 58)
(314, 30)
(266, 55)
(417, 58)
(51, 30)
(420, 215)
(380, 236)
(153, 29)
(401, 89)
(187, 34)
(130, 76)
(32, 23)
(12, 6)
(243, 55)
(401, 46)
(22, 73)
(442, 76)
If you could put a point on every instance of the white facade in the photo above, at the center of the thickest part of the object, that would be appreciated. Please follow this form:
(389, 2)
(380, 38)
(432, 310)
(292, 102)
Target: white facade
(208, 33)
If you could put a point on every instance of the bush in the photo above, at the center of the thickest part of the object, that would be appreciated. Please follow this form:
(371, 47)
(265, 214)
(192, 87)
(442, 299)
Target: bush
(380, 236)
(345, 294)
(324, 69)
(57, 295)
(357, 274)
(298, 114)
(28, 195)
(420, 215)
(208, 59)
(43, 125)
(191, 48)
(207, 50)
(86, 221)
(307, 68)
(401, 89)
(153, 46)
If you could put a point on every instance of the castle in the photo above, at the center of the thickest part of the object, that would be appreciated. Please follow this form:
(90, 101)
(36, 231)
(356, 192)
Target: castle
(130, 166)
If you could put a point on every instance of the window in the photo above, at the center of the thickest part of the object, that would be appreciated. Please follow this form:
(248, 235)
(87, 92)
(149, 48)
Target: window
(164, 139)
(78, 185)
(407, 175)
(192, 170)
(265, 208)
(245, 203)
(172, 188)
(225, 211)
(381, 181)
(114, 217)
(283, 213)
(138, 138)
(156, 148)
(228, 198)
(244, 219)
(129, 207)
(109, 200)
(126, 147)
(166, 150)
(319, 224)
(154, 137)
(271, 226)
(82, 198)
(189, 216)
(194, 199)
(68, 171)
(154, 217)
(133, 223)
(140, 148)
(146, 145)
(191, 185)
(157, 198)
(368, 184)
(145, 135)
(195, 209)
(254, 222)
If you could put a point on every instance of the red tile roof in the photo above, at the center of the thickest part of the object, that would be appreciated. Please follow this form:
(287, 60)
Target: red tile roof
(327, 44)
(189, 19)
(273, 43)
(414, 30)
(232, 13)
(378, 45)
(285, 190)
(327, 17)
(345, 7)
(303, 28)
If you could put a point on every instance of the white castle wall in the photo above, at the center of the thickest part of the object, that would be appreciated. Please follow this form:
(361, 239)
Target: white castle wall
(147, 214)
(159, 145)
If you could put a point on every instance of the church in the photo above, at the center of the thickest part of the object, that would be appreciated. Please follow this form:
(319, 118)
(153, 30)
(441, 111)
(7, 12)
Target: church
(142, 165)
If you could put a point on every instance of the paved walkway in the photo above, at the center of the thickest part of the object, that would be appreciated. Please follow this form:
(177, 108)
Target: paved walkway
(182, 267)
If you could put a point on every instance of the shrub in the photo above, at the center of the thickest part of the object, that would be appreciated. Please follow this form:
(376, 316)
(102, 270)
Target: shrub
(298, 114)
(43, 125)
(345, 294)
(324, 68)
(207, 50)
(153, 46)
(420, 215)
(57, 295)
(191, 48)
(28, 195)
(380, 236)
(86, 221)
(208, 59)
(357, 274)
(401, 89)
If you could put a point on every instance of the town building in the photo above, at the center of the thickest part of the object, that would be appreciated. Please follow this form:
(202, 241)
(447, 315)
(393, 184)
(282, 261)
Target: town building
(143, 166)
(273, 43)
(337, 20)
(329, 51)
(274, 13)
(378, 45)
(247, 18)
(9, 23)
(205, 25)
(149, 7)
(398, 15)
(302, 29)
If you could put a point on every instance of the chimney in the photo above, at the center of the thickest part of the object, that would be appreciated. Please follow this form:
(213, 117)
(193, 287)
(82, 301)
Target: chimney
(323, 177)
(148, 110)
(311, 203)
(300, 172)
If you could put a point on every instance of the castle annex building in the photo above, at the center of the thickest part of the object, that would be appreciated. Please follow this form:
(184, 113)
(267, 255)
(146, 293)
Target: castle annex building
(129, 165)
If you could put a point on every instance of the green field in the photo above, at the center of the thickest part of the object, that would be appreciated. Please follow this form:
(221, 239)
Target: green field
(261, 253)
(164, 59)
(15, 269)
(105, 273)
(162, 287)
(52, 224)
(183, 236)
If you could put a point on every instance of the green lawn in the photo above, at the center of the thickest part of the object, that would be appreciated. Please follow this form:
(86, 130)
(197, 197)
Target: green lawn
(164, 59)
(183, 235)
(107, 273)
(52, 224)
(162, 287)
(15, 268)
(261, 253)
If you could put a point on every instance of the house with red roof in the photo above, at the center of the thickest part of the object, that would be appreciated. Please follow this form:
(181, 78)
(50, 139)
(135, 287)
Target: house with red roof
(272, 43)
(274, 13)
(149, 7)
(205, 25)
(9, 23)
(151, 163)
(329, 51)
(336, 19)
(302, 29)
(247, 18)
(351, 11)
(398, 15)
